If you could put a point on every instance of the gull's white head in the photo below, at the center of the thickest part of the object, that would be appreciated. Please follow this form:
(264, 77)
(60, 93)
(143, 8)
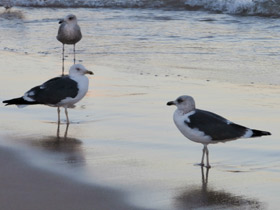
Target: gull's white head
(78, 69)
(69, 19)
(183, 103)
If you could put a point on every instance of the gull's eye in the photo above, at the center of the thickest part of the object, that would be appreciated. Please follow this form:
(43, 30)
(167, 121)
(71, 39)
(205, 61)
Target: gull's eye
(78, 69)
(179, 100)
(70, 18)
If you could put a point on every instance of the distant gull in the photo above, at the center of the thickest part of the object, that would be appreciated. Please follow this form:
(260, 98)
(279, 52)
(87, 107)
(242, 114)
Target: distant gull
(58, 92)
(7, 4)
(206, 127)
(69, 32)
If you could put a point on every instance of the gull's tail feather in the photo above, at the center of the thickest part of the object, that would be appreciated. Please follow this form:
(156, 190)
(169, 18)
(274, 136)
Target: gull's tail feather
(257, 133)
(18, 101)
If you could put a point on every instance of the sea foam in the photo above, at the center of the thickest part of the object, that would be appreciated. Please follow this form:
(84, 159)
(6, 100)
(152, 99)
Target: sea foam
(239, 7)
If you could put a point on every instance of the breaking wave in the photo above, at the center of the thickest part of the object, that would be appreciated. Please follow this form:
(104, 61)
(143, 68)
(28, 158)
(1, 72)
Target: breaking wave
(239, 7)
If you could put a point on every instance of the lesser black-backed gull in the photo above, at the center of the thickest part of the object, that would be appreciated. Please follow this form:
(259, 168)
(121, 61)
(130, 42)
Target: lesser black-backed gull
(206, 127)
(69, 32)
(58, 92)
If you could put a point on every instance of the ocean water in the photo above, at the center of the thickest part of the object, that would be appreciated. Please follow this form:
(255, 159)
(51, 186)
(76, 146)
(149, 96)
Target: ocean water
(192, 43)
(143, 54)
(243, 7)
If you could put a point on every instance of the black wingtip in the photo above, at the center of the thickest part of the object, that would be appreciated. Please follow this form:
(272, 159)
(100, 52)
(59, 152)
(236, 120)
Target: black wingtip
(257, 133)
(18, 101)
(267, 133)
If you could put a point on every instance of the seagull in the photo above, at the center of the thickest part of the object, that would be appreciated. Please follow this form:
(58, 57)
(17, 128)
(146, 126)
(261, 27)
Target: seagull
(206, 127)
(63, 91)
(7, 5)
(69, 32)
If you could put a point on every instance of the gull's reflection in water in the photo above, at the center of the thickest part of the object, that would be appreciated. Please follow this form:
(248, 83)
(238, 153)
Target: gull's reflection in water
(206, 197)
(67, 147)
(58, 131)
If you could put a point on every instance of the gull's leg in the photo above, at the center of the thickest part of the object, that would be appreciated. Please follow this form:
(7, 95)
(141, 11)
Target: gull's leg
(207, 157)
(202, 159)
(74, 53)
(58, 115)
(63, 59)
(66, 113)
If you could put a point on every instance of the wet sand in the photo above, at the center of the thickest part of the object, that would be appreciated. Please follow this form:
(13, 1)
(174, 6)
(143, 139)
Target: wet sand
(122, 137)
(28, 188)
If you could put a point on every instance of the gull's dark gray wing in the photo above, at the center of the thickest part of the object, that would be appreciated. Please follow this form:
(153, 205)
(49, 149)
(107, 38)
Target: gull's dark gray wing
(215, 126)
(54, 90)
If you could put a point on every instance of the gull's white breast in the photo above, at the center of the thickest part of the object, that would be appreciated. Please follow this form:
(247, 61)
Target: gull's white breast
(191, 133)
(82, 90)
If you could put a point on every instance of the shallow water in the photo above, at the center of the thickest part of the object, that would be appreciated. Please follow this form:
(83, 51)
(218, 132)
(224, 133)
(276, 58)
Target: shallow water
(122, 134)
(187, 43)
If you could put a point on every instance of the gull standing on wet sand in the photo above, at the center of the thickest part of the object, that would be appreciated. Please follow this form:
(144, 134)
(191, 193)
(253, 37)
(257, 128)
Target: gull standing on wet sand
(69, 32)
(63, 91)
(206, 127)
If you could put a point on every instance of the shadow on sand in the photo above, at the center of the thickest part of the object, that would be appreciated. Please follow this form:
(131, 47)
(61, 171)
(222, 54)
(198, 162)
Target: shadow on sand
(204, 196)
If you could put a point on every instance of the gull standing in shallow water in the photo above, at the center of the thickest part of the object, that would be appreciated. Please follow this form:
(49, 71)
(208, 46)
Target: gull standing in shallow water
(206, 127)
(58, 92)
(69, 32)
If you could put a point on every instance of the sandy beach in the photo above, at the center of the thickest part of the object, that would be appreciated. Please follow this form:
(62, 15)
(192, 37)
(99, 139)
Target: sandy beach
(26, 187)
(144, 157)
(122, 149)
